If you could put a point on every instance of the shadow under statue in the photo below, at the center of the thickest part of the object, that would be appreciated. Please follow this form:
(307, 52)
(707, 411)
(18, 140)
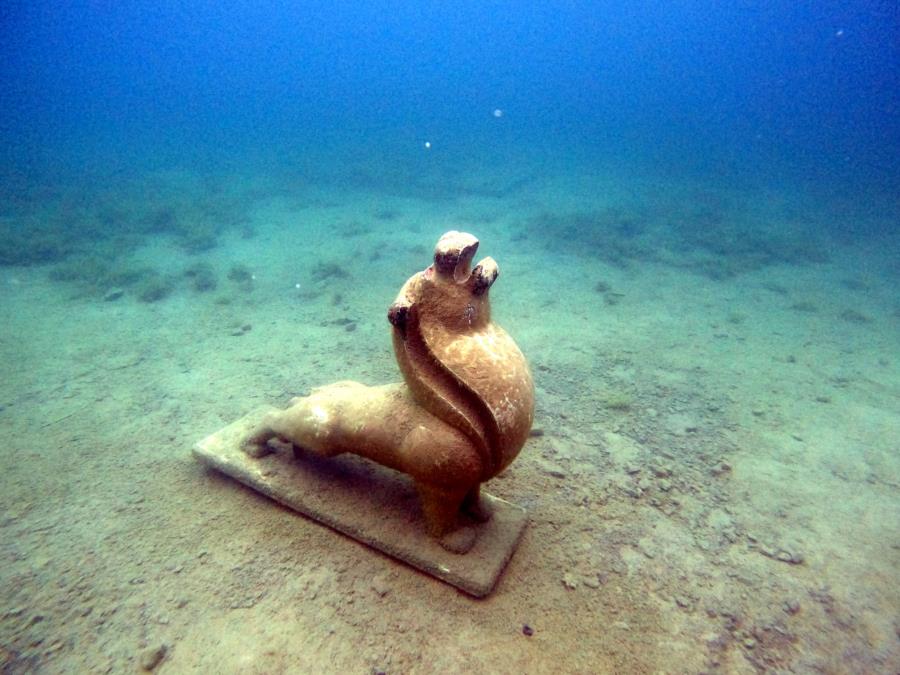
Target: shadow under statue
(460, 417)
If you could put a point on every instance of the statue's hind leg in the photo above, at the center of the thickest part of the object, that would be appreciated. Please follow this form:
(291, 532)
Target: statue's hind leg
(440, 507)
(446, 469)
(474, 506)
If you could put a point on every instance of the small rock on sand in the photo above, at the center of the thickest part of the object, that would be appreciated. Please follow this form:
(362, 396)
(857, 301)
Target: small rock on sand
(153, 656)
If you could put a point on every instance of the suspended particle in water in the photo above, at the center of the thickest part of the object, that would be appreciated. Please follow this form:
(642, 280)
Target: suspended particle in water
(428, 145)
(497, 113)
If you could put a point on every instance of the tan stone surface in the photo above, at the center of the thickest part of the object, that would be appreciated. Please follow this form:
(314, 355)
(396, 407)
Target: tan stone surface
(464, 410)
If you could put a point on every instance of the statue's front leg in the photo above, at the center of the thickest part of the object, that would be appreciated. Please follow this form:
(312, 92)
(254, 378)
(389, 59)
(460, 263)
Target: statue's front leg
(303, 423)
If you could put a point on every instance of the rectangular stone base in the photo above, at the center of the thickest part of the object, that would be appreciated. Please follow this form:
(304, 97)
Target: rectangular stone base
(369, 503)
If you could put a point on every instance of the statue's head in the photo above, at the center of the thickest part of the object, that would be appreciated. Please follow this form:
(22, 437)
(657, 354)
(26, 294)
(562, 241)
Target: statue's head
(454, 293)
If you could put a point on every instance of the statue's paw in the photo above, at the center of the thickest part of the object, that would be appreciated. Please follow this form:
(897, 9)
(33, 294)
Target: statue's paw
(461, 540)
(256, 449)
(256, 444)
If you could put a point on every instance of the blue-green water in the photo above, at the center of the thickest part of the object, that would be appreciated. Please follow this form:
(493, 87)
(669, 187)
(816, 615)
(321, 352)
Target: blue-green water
(758, 99)
(799, 95)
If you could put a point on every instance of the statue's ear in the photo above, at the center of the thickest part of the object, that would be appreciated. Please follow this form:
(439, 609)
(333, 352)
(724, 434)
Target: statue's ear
(398, 313)
(484, 275)
(453, 255)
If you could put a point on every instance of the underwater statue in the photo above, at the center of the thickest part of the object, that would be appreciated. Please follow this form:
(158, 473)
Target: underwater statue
(463, 411)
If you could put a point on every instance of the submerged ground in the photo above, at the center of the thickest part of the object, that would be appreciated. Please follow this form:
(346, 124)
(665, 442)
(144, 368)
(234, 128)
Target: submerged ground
(714, 486)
